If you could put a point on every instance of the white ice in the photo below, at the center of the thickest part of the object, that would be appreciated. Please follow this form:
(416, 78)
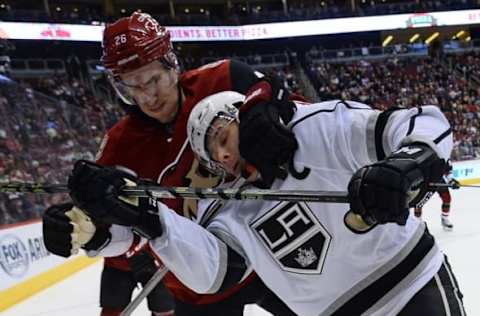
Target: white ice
(78, 295)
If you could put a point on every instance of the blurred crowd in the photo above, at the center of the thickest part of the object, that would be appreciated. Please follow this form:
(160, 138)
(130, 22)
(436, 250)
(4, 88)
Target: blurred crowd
(52, 121)
(408, 82)
(246, 12)
(42, 133)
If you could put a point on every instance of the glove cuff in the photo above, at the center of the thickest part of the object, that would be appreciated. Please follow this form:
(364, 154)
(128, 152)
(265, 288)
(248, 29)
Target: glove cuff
(100, 239)
(149, 226)
(259, 92)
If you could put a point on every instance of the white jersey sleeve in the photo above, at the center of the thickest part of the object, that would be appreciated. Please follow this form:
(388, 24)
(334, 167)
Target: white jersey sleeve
(120, 242)
(425, 124)
(193, 254)
(371, 135)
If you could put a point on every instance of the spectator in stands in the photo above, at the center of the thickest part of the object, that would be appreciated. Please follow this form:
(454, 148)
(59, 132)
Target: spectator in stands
(41, 136)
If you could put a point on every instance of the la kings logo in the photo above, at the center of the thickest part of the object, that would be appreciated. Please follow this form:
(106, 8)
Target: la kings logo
(294, 237)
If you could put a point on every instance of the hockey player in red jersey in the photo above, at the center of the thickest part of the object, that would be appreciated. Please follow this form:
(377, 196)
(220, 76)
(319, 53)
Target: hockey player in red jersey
(151, 140)
(446, 198)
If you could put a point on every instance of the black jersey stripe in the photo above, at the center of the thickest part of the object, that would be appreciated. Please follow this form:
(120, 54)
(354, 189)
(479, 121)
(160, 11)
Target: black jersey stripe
(442, 136)
(210, 211)
(411, 126)
(454, 297)
(379, 129)
(236, 268)
(365, 299)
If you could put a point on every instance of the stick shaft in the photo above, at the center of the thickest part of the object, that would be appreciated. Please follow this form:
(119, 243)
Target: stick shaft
(39, 188)
(151, 284)
(238, 194)
(195, 193)
(156, 191)
(446, 185)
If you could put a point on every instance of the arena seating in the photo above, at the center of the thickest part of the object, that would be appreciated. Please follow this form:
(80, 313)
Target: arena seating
(220, 14)
(55, 120)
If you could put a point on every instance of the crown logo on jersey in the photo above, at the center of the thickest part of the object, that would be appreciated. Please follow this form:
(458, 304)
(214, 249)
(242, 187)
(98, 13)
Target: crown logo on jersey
(306, 257)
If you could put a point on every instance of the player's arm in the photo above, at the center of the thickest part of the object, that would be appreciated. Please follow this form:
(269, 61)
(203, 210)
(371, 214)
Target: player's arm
(425, 124)
(199, 259)
(412, 147)
(61, 223)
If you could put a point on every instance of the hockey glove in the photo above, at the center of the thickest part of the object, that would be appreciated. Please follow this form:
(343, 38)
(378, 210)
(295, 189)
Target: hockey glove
(66, 229)
(265, 141)
(454, 184)
(97, 190)
(384, 191)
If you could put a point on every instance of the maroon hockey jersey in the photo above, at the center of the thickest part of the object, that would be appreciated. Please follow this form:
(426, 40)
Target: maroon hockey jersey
(163, 154)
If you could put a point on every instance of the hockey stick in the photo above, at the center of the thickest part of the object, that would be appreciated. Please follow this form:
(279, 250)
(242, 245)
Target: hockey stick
(151, 284)
(453, 186)
(193, 193)
(196, 193)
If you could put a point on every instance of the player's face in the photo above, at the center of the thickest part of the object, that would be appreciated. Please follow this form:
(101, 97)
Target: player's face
(223, 145)
(154, 89)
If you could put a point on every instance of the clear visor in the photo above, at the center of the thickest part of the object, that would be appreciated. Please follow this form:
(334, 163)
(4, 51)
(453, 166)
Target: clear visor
(121, 91)
(135, 90)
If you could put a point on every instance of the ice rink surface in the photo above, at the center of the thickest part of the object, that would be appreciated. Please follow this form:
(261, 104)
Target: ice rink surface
(78, 295)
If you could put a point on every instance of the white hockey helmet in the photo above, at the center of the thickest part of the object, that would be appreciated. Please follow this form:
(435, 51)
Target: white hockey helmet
(219, 105)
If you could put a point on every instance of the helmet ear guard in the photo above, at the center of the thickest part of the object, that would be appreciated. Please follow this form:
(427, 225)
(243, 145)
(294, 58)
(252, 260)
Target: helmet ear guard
(205, 112)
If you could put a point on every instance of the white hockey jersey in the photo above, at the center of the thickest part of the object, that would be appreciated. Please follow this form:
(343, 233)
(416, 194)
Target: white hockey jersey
(304, 252)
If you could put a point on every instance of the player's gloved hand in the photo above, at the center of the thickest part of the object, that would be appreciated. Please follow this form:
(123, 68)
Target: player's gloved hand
(265, 141)
(454, 183)
(97, 190)
(66, 229)
(384, 191)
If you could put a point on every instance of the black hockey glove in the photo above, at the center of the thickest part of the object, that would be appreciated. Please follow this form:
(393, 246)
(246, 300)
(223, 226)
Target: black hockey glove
(97, 190)
(384, 191)
(455, 184)
(265, 141)
(66, 229)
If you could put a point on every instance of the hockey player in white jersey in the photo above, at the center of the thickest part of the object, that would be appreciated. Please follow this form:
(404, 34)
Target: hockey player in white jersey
(315, 257)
